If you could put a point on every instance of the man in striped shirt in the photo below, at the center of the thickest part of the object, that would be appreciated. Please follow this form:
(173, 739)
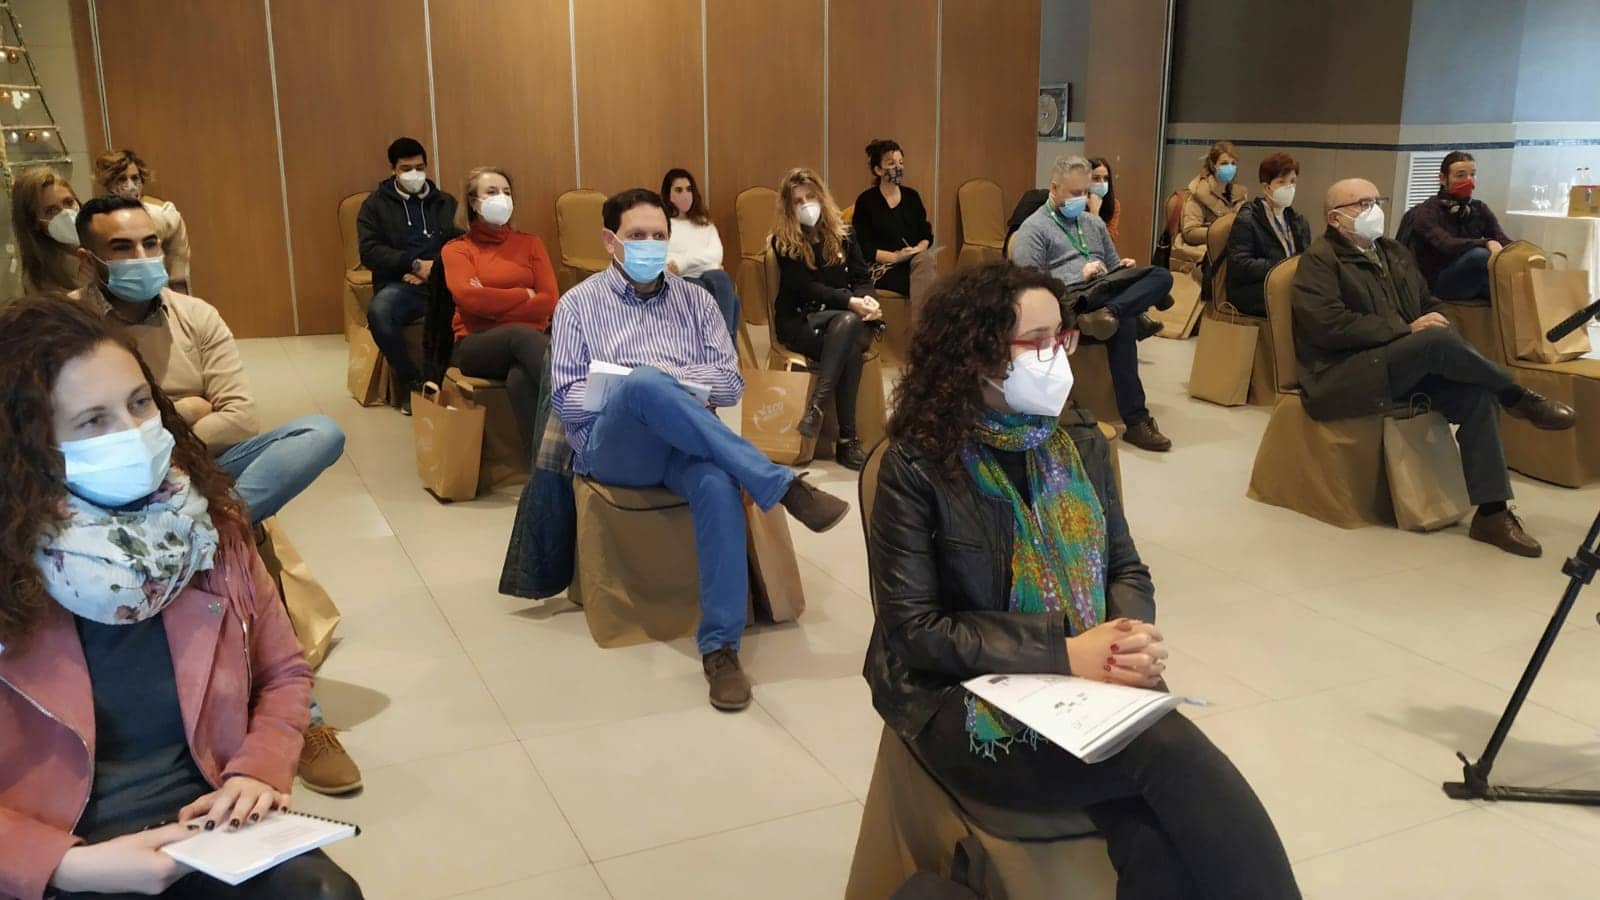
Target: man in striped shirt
(651, 431)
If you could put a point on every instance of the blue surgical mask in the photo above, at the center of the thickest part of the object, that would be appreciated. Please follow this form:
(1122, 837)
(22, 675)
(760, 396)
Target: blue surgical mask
(644, 261)
(1099, 188)
(118, 468)
(136, 280)
(1226, 171)
(1072, 207)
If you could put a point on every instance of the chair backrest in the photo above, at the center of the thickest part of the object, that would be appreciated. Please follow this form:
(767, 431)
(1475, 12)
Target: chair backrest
(349, 209)
(1505, 270)
(848, 214)
(578, 225)
(1280, 317)
(1173, 211)
(1217, 254)
(756, 208)
(981, 212)
(867, 489)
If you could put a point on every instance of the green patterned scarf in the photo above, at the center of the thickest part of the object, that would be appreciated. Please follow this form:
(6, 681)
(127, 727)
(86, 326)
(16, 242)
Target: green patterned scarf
(1058, 548)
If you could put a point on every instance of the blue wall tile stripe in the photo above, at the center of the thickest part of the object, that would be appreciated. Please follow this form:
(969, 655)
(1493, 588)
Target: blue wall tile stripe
(1396, 148)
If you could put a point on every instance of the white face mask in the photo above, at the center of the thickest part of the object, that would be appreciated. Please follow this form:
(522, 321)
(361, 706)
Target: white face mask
(412, 182)
(116, 469)
(809, 213)
(1038, 387)
(496, 209)
(64, 227)
(1369, 225)
(1283, 196)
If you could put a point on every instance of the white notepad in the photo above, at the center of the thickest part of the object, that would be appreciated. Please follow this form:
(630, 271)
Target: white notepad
(234, 857)
(1092, 720)
(605, 378)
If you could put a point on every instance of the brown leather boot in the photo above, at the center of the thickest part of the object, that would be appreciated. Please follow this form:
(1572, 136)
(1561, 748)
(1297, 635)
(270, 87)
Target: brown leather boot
(1504, 530)
(1543, 413)
(325, 766)
(730, 689)
(1100, 324)
(1146, 436)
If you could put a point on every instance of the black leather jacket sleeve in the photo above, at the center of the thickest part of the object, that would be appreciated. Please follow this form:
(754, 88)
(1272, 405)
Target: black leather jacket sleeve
(926, 634)
(1129, 591)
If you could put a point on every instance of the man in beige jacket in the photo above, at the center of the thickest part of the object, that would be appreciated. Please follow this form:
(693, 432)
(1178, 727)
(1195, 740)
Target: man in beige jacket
(194, 358)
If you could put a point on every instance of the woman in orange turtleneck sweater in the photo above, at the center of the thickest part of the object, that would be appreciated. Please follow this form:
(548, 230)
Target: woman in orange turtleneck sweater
(505, 292)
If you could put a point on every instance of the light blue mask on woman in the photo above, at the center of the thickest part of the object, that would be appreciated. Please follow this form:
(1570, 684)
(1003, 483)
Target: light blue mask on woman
(1226, 171)
(644, 261)
(136, 280)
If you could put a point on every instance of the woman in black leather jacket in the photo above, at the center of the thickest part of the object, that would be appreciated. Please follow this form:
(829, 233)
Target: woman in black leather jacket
(998, 545)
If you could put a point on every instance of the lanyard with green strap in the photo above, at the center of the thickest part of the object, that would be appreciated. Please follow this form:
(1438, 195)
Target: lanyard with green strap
(1076, 239)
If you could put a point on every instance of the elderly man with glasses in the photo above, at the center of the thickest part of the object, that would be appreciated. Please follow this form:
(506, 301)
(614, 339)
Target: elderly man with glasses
(1368, 337)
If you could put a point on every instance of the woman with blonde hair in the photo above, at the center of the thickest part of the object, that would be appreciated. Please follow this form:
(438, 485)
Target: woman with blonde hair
(827, 308)
(1212, 194)
(44, 218)
(504, 289)
(123, 173)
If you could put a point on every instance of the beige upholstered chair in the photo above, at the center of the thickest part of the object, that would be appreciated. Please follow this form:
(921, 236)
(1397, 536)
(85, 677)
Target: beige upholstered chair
(981, 214)
(634, 571)
(357, 278)
(910, 824)
(578, 226)
(503, 462)
(1263, 380)
(754, 209)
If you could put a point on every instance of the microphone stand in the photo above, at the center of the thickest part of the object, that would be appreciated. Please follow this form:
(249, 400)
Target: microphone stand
(1580, 570)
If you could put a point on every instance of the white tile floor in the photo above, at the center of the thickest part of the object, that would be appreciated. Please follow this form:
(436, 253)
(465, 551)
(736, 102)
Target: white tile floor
(506, 756)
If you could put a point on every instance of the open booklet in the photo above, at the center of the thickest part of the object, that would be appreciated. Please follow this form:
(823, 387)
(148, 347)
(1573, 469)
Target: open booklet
(605, 378)
(1092, 720)
(234, 857)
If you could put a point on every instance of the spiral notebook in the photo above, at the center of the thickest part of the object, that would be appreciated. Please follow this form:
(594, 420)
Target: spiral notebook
(234, 857)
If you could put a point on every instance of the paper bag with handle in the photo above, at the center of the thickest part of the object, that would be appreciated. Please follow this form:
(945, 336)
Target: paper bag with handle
(311, 609)
(364, 375)
(1540, 300)
(1224, 357)
(449, 436)
(774, 403)
(774, 569)
(1426, 482)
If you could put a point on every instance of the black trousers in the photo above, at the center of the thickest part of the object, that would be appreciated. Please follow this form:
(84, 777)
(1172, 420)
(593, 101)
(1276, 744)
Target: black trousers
(310, 877)
(515, 354)
(838, 340)
(1178, 818)
(1464, 386)
(1132, 299)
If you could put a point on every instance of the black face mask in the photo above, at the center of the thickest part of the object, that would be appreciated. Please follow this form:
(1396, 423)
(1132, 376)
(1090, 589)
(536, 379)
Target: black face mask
(894, 174)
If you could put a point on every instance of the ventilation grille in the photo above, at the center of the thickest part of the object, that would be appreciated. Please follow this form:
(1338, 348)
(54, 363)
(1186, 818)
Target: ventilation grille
(1422, 179)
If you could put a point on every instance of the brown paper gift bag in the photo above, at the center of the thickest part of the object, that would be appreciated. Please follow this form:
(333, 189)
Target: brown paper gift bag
(1223, 358)
(311, 610)
(1425, 478)
(364, 376)
(449, 437)
(774, 569)
(773, 405)
(1544, 297)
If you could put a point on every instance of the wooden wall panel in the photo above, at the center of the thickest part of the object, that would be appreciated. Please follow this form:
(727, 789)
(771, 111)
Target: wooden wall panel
(882, 74)
(760, 127)
(640, 110)
(189, 86)
(987, 110)
(88, 81)
(1122, 113)
(334, 142)
(502, 74)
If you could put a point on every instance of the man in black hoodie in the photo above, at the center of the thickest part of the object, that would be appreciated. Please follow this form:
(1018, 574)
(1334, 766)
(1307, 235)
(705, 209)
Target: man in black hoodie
(402, 225)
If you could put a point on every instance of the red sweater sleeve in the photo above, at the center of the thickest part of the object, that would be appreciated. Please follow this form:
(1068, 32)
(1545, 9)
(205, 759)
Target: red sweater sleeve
(543, 303)
(460, 260)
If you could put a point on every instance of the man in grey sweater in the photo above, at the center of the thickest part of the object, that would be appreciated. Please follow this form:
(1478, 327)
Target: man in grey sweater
(1062, 239)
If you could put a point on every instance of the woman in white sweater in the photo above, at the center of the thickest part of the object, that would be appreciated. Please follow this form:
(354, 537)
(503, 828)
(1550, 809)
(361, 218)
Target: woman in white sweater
(695, 251)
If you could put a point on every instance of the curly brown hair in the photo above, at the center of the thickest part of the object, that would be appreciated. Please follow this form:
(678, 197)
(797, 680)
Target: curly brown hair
(964, 336)
(39, 335)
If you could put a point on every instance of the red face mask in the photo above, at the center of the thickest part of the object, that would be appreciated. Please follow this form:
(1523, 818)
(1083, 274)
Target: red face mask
(1461, 190)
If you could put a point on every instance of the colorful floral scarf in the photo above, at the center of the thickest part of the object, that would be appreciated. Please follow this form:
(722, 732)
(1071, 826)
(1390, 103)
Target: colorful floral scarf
(124, 565)
(1058, 555)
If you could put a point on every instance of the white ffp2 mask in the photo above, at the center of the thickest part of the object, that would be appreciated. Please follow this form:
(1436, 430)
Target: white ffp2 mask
(809, 214)
(1037, 386)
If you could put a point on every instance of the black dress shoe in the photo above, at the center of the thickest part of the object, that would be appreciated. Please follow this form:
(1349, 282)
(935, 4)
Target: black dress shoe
(810, 423)
(849, 454)
(1542, 412)
(1146, 436)
(1148, 327)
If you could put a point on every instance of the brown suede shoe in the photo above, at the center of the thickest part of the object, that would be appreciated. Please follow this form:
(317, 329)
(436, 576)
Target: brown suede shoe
(1543, 413)
(812, 506)
(1100, 324)
(730, 689)
(1146, 436)
(325, 767)
(1504, 530)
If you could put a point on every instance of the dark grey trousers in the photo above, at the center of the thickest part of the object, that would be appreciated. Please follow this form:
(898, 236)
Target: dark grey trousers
(1465, 387)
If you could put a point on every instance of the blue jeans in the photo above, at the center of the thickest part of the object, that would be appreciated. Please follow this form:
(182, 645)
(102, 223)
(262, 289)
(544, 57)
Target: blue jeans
(720, 284)
(652, 432)
(395, 306)
(1466, 278)
(272, 468)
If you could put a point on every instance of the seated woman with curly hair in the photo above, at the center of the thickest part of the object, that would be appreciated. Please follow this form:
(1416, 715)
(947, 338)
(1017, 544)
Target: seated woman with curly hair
(998, 545)
(150, 682)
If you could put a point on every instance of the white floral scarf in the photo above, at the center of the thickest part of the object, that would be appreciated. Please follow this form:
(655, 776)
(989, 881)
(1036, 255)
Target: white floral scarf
(124, 565)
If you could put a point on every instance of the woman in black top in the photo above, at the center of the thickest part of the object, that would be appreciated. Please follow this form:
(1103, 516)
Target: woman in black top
(889, 220)
(1266, 231)
(827, 308)
(998, 545)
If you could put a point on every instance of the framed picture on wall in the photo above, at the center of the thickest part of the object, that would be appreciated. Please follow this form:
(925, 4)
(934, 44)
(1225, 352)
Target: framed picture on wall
(1054, 105)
